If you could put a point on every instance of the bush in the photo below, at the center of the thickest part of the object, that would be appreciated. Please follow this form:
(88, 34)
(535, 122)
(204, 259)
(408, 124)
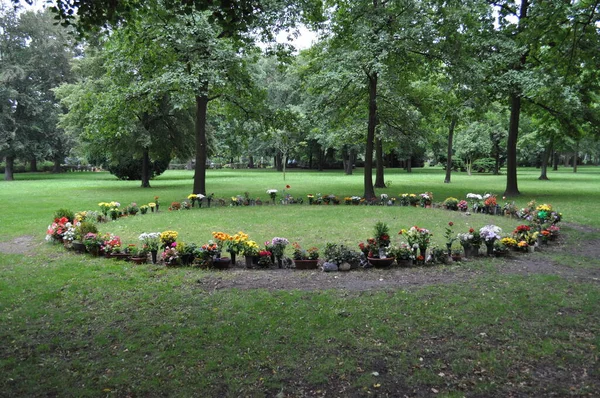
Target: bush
(84, 228)
(131, 169)
(60, 213)
(484, 165)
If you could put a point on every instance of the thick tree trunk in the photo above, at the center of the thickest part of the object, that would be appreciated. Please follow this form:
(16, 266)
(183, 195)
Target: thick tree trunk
(201, 147)
(545, 158)
(449, 155)
(512, 188)
(33, 165)
(145, 169)
(56, 168)
(9, 169)
(250, 162)
(369, 191)
(379, 174)
(279, 162)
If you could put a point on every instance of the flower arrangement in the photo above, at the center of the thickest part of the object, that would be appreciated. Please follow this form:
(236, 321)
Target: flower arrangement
(369, 249)
(175, 206)
(348, 200)
(522, 245)
(112, 244)
(278, 246)
(356, 200)
(144, 209)
(273, 194)
(237, 242)
(382, 234)
(413, 199)
(426, 199)
(151, 240)
(250, 248)
(133, 209)
(152, 206)
(463, 205)
(339, 254)
(57, 229)
(470, 239)
(222, 239)
(490, 201)
(208, 250)
(419, 237)
(509, 242)
(92, 241)
(451, 203)
(304, 254)
(404, 200)
(403, 251)
(170, 255)
(264, 258)
(168, 237)
(490, 233)
(383, 198)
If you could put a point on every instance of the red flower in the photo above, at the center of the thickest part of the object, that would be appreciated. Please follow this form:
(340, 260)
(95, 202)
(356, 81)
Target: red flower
(420, 258)
(450, 223)
(400, 233)
(471, 230)
(287, 187)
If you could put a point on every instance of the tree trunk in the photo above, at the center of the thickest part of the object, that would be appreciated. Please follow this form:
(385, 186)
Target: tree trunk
(545, 157)
(379, 173)
(575, 156)
(512, 188)
(250, 162)
(348, 161)
(33, 165)
(321, 160)
(449, 156)
(56, 168)
(409, 165)
(278, 162)
(369, 191)
(145, 169)
(201, 147)
(555, 160)
(9, 169)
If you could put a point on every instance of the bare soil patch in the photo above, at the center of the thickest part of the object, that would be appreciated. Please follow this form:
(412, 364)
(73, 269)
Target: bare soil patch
(20, 245)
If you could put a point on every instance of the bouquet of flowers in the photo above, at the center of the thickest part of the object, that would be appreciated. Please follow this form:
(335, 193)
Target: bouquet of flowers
(370, 248)
(168, 237)
(419, 237)
(490, 233)
(57, 229)
(404, 251)
(382, 234)
(451, 203)
(151, 240)
(250, 248)
(426, 199)
(278, 246)
(273, 194)
(170, 255)
(413, 199)
(264, 259)
(222, 238)
(112, 244)
(404, 201)
(463, 205)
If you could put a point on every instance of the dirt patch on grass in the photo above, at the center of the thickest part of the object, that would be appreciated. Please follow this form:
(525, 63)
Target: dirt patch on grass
(20, 245)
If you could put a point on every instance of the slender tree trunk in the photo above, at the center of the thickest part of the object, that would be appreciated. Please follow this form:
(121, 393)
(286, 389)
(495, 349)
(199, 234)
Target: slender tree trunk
(555, 160)
(310, 160)
(512, 188)
(369, 191)
(250, 162)
(545, 158)
(278, 162)
(379, 174)
(575, 156)
(449, 156)
(409, 165)
(348, 161)
(33, 165)
(145, 169)
(201, 147)
(321, 160)
(9, 169)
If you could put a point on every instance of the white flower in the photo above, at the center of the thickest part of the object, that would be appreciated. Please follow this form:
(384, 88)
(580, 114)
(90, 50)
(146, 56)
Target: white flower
(200, 196)
(384, 196)
(271, 191)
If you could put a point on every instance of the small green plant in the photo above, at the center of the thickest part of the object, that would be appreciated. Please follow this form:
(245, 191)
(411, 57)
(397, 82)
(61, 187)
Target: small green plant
(84, 228)
(60, 213)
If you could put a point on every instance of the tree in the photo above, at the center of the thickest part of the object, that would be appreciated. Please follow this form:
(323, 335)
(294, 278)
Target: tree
(34, 58)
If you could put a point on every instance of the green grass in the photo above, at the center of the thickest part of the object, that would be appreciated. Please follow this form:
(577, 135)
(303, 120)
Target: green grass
(76, 326)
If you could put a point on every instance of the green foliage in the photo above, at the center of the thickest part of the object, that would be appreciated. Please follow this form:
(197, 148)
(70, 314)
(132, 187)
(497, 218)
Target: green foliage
(131, 168)
(85, 227)
(69, 214)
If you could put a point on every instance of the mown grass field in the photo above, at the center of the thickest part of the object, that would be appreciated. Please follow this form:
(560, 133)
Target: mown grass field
(75, 326)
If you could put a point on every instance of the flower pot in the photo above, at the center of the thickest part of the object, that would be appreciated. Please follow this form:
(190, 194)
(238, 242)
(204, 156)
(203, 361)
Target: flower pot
(490, 248)
(120, 256)
(139, 260)
(381, 262)
(251, 261)
(306, 264)
(530, 249)
(221, 263)
(94, 251)
(78, 246)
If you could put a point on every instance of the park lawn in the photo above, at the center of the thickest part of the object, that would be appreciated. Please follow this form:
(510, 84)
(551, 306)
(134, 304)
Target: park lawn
(76, 326)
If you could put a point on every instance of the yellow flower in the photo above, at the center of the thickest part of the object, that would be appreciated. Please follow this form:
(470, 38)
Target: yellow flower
(192, 196)
(151, 204)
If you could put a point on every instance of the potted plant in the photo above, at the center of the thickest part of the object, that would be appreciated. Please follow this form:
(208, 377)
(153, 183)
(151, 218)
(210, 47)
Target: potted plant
(418, 237)
(187, 251)
(305, 258)
(250, 251)
(451, 204)
(277, 246)
(151, 241)
(404, 254)
(140, 256)
(81, 230)
(170, 255)
(489, 234)
(342, 256)
(93, 242)
(500, 249)
(264, 258)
